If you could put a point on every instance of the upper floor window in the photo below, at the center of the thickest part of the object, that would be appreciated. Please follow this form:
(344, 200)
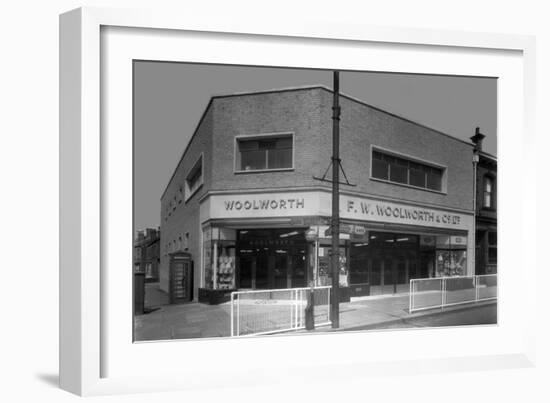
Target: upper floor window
(264, 152)
(488, 191)
(194, 179)
(397, 169)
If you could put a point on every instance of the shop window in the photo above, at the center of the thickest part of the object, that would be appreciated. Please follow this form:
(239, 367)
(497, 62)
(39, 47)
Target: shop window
(194, 179)
(265, 153)
(451, 256)
(488, 191)
(219, 260)
(400, 170)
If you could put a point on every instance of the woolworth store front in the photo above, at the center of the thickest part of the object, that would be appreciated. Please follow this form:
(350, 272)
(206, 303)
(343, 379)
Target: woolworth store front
(282, 240)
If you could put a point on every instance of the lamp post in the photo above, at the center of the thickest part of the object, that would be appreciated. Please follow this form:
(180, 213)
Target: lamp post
(335, 225)
(311, 238)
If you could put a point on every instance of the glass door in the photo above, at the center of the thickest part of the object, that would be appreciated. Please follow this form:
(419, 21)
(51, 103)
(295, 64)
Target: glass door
(389, 267)
(281, 272)
(375, 276)
(403, 267)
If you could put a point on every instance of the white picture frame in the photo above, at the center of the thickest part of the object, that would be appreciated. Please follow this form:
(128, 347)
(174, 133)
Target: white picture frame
(96, 355)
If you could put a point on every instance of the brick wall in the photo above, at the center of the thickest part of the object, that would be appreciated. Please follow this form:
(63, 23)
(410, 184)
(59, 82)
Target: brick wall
(293, 111)
(308, 114)
(185, 217)
(362, 126)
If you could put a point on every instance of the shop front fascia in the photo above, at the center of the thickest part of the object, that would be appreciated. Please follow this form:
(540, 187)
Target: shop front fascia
(393, 239)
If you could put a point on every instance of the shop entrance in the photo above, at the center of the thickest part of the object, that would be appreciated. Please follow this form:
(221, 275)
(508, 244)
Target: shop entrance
(387, 262)
(391, 274)
(271, 258)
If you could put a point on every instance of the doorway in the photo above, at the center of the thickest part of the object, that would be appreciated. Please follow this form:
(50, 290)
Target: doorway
(387, 262)
(271, 258)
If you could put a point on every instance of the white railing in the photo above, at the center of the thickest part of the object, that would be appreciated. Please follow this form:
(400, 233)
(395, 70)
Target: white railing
(256, 312)
(439, 292)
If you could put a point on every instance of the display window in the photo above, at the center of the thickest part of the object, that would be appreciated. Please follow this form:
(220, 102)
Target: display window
(451, 256)
(219, 258)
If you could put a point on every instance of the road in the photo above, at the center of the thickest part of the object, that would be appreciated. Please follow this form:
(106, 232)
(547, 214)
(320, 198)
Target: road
(478, 315)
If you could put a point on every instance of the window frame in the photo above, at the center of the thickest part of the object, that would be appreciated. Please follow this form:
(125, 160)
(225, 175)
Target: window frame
(261, 136)
(187, 190)
(492, 179)
(409, 158)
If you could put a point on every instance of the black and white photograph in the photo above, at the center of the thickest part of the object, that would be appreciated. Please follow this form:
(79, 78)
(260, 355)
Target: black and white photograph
(276, 201)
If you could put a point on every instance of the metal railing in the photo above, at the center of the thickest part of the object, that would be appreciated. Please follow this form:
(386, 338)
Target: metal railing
(439, 292)
(256, 312)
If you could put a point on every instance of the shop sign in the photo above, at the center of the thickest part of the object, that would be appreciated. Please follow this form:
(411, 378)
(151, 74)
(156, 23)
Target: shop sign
(446, 241)
(427, 240)
(316, 205)
(265, 204)
(311, 235)
(351, 229)
(458, 240)
(382, 211)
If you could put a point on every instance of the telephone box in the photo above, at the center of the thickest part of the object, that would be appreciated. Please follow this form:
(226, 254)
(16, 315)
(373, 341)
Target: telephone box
(181, 277)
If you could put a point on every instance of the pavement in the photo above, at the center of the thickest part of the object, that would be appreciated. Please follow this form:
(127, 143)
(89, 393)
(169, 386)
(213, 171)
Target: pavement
(194, 320)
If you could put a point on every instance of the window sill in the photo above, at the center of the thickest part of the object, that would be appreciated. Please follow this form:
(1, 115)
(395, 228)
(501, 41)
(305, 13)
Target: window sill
(408, 186)
(193, 193)
(255, 171)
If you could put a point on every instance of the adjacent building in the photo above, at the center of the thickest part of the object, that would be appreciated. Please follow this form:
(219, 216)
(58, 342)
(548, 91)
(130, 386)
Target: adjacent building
(147, 254)
(245, 200)
(486, 208)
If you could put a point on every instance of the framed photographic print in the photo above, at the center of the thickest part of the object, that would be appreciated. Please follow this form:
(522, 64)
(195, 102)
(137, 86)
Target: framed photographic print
(278, 200)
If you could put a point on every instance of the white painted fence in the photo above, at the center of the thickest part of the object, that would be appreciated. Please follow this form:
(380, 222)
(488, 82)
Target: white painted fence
(439, 292)
(256, 312)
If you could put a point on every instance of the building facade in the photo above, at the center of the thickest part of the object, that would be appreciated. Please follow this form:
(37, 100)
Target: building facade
(245, 199)
(147, 254)
(486, 209)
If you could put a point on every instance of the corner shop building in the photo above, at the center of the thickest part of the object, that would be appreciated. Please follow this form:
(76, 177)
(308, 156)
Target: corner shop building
(244, 203)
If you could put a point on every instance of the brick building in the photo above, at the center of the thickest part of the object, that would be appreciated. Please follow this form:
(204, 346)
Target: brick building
(486, 208)
(147, 254)
(245, 203)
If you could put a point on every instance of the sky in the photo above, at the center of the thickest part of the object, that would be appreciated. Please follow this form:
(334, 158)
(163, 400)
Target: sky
(169, 99)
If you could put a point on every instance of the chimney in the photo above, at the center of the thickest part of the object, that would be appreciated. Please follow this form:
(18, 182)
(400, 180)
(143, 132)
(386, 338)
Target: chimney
(477, 139)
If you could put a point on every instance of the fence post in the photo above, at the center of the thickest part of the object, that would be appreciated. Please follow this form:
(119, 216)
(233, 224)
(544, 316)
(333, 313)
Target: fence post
(297, 320)
(232, 315)
(238, 315)
(443, 292)
(328, 304)
(410, 295)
